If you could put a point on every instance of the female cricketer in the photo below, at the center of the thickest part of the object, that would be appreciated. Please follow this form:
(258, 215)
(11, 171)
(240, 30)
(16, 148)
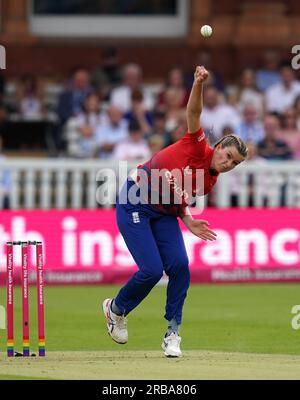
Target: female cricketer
(151, 229)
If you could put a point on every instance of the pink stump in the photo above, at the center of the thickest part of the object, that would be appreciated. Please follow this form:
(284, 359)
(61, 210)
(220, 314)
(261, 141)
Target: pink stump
(25, 299)
(10, 301)
(40, 299)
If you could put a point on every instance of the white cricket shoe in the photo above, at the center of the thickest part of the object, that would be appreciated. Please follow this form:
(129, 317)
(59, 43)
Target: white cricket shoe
(171, 345)
(116, 325)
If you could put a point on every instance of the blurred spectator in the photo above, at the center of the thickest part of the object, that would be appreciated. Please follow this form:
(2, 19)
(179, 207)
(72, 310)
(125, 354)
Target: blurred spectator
(29, 99)
(131, 79)
(232, 96)
(4, 183)
(282, 95)
(290, 133)
(80, 131)
(272, 148)
(235, 179)
(138, 112)
(216, 116)
(227, 130)
(156, 143)
(250, 128)
(249, 92)
(269, 74)
(113, 131)
(179, 131)
(159, 128)
(297, 111)
(176, 81)
(135, 147)
(71, 101)
(107, 75)
(173, 108)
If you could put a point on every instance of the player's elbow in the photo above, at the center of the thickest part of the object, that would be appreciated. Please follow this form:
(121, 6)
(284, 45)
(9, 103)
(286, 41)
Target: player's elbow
(193, 113)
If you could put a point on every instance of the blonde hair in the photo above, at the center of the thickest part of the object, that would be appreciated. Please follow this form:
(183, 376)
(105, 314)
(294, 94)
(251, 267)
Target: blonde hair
(233, 140)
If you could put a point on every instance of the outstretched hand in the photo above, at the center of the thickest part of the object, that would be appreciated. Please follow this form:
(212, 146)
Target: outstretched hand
(200, 229)
(201, 74)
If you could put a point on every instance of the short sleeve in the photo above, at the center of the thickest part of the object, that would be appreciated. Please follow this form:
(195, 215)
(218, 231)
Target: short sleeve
(195, 142)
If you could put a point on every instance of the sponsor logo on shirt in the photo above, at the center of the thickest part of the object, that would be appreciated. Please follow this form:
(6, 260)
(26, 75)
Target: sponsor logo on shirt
(200, 138)
(136, 218)
(174, 185)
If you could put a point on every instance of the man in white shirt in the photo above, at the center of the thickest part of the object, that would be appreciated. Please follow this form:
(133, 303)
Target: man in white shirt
(121, 96)
(110, 133)
(281, 96)
(216, 116)
(250, 128)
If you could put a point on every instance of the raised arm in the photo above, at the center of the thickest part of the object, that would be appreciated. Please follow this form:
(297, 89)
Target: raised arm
(195, 104)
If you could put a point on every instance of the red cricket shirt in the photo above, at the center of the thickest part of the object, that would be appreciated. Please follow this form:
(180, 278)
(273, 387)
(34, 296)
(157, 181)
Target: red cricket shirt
(189, 154)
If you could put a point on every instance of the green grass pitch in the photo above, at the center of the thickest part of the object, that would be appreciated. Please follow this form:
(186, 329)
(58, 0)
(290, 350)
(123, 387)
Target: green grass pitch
(220, 323)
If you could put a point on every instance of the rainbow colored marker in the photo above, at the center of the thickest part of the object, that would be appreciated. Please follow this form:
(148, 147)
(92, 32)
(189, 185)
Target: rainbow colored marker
(25, 298)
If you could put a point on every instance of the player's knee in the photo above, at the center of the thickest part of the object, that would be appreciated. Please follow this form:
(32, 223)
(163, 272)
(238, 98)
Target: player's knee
(181, 267)
(157, 276)
(153, 277)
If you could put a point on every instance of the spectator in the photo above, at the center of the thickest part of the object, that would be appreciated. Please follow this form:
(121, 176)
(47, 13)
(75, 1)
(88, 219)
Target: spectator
(80, 131)
(71, 101)
(227, 130)
(156, 143)
(297, 111)
(178, 131)
(4, 183)
(176, 81)
(113, 131)
(269, 74)
(28, 99)
(138, 112)
(272, 148)
(232, 95)
(282, 95)
(215, 116)
(290, 133)
(173, 108)
(250, 128)
(235, 179)
(107, 75)
(135, 147)
(159, 128)
(132, 79)
(249, 92)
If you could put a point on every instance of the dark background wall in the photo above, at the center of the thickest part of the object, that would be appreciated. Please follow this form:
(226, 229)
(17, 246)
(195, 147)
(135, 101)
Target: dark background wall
(241, 31)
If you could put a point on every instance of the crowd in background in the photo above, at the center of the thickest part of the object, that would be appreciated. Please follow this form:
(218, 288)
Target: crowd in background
(111, 113)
